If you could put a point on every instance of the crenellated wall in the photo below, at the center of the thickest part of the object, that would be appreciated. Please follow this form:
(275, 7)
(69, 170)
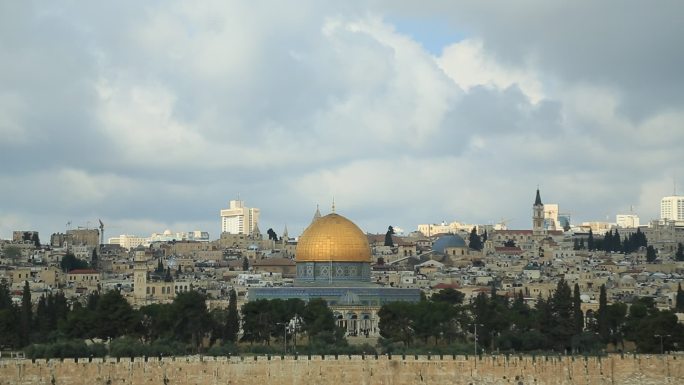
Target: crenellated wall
(348, 370)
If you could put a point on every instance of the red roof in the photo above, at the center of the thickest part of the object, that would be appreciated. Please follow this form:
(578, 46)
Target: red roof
(83, 271)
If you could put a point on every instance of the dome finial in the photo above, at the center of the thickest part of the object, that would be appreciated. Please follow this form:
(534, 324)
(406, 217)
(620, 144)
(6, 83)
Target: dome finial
(333, 205)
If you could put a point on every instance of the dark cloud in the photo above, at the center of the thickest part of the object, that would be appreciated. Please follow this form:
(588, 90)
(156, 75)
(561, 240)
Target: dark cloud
(154, 117)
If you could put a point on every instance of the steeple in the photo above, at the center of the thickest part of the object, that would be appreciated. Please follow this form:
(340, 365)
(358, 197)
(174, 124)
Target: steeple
(537, 200)
(285, 234)
(256, 233)
(538, 218)
(317, 215)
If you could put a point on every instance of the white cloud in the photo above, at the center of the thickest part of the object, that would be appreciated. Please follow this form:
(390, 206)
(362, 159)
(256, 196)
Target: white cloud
(154, 117)
(467, 64)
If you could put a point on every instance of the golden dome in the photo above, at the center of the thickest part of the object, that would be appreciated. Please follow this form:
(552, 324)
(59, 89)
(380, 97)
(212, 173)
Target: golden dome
(333, 238)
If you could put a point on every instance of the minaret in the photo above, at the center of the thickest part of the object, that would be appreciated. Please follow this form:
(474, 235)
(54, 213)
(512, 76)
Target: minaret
(140, 277)
(538, 217)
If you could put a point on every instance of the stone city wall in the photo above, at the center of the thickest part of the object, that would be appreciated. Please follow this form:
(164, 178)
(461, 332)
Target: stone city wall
(348, 370)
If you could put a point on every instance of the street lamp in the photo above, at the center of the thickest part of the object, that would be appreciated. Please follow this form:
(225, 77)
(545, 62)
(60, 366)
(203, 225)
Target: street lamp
(476, 336)
(284, 335)
(661, 340)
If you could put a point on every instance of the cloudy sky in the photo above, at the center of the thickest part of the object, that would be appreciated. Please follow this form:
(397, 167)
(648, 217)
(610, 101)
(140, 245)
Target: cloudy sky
(154, 115)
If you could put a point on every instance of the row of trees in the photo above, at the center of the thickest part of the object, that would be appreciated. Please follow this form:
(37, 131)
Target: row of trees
(612, 241)
(555, 324)
(109, 315)
(186, 320)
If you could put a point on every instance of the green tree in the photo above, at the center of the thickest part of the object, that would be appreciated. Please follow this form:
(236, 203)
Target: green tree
(545, 322)
(9, 327)
(590, 241)
(9, 319)
(474, 240)
(319, 323)
(602, 316)
(191, 318)
(257, 321)
(656, 325)
(396, 322)
(232, 318)
(679, 303)
(80, 323)
(35, 240)
(577, 315)
(616, 317)
(94, 261)
(563, 316)
(156, 322)
(26, 320)
(5, 297)
(69, 262)
(651, 254)
(448, 295)
(679, 255)
(388, 237)
(114, 316)
(245, 264)
(12, 252)
(433, 320)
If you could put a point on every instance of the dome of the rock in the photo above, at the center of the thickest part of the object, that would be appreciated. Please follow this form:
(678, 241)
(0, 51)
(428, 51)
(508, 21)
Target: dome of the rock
(333, 238)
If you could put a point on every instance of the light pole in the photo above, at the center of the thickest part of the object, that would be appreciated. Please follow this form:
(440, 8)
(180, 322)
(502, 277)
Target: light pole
(476, 337)
(284, 335)
(661, 341)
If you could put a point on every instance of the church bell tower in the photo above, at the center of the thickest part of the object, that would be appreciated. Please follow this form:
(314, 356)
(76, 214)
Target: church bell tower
(538, 231)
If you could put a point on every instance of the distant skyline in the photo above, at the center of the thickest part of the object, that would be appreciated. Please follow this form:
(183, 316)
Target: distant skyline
(155, 116)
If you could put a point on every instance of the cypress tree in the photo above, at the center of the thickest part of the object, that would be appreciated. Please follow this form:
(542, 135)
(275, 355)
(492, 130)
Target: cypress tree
(679, 256)
(474, 240)
(590, 241)
(232, 318)
(26, 316)
(680, 298)
(388, 237)
(578, 316)
(563, 318)
(602, 317)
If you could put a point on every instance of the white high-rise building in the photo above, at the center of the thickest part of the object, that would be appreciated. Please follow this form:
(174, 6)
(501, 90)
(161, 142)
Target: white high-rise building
(551, 217)
(672, 208)
(627, 220)
(238, 219)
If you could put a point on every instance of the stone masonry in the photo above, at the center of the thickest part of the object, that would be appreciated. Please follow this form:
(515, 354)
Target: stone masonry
(348, 370)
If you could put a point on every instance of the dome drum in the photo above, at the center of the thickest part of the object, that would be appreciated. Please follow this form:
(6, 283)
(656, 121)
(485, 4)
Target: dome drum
(341, 271)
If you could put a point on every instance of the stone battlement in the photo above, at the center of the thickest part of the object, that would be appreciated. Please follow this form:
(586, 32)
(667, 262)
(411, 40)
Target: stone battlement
(344, 369)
